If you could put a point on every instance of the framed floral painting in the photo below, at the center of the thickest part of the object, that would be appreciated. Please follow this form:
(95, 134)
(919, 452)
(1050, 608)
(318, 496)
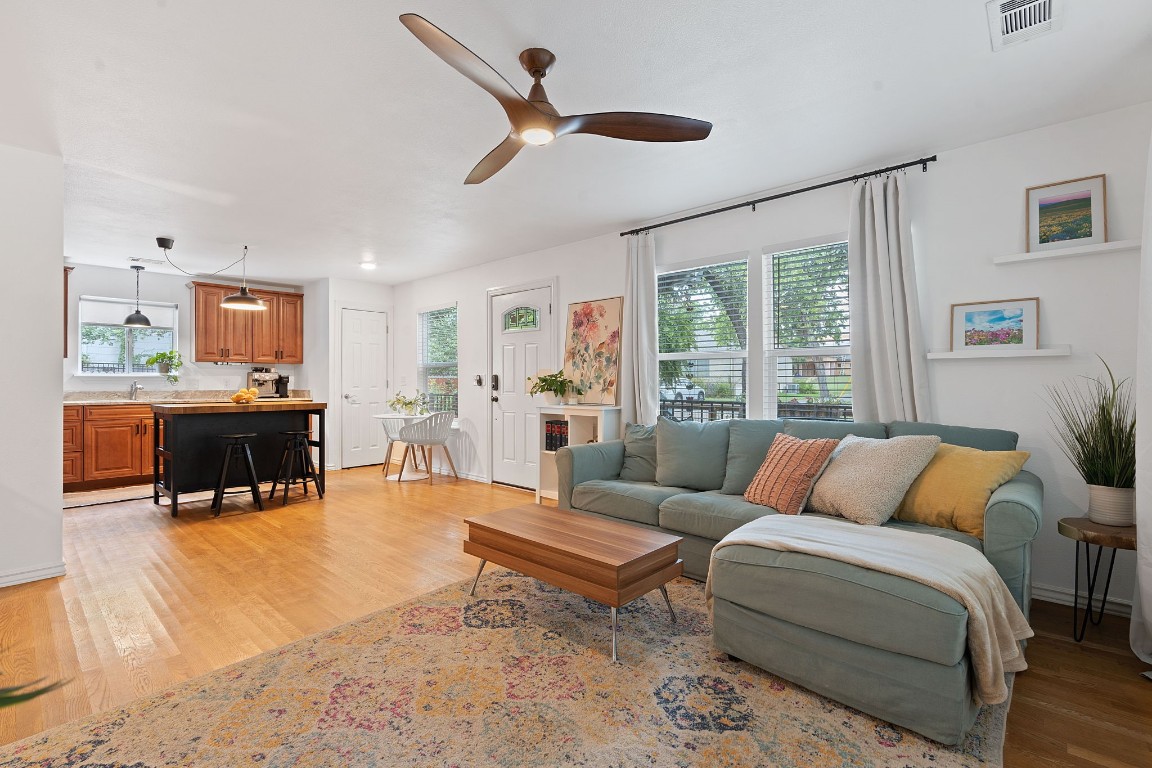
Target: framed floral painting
(592, 348)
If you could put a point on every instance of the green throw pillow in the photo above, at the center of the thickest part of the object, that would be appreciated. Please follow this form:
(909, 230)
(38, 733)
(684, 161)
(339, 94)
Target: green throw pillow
(748, 444)
(639, 453)
(691, 454)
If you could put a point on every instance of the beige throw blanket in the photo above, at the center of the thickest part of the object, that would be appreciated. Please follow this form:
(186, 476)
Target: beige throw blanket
(996, 624)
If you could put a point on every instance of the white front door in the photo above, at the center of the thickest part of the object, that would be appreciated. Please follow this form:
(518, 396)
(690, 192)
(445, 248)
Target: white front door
(363, 379)
(520, 324)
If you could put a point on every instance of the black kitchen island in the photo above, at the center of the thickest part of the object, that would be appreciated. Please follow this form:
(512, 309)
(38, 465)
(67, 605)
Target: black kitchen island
(188, 450)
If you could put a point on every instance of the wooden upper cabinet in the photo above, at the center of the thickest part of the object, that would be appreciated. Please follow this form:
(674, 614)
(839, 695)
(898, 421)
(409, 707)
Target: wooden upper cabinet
(224, 335)
(265, 336)
(291, 317)
(209, 325)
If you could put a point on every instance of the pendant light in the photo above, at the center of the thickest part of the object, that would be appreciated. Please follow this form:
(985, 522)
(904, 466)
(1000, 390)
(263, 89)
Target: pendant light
(243, 300)
(137, 318)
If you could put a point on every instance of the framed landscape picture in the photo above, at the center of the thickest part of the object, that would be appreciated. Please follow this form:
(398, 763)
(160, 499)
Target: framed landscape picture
(1067, 214)
(1006, 324)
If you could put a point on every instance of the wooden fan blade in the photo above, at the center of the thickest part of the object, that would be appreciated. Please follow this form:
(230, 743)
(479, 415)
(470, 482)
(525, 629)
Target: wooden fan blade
(635, 126)
(495, 160)
(468, 64)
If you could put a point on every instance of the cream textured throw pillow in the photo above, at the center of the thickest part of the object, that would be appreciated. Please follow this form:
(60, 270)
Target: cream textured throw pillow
(867, 478)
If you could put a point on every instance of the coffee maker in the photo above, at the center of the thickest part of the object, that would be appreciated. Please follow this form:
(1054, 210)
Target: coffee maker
(267, 382)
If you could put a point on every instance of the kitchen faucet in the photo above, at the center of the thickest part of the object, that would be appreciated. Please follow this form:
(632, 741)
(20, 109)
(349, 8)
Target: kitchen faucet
(134, 389)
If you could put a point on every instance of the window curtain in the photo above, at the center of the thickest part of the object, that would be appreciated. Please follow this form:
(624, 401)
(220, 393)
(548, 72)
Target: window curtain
(889, 373)
(1141, 625)
(640, 380)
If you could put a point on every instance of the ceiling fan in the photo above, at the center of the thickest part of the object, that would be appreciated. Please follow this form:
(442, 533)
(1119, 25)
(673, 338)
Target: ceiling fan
(534, 120)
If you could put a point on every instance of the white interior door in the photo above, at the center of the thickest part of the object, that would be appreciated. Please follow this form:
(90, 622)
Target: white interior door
(521, 327)
(363, 381)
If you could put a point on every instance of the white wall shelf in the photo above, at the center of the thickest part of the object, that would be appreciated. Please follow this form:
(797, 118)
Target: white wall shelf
(586, 424)
(1057, 350)
(1063, 253)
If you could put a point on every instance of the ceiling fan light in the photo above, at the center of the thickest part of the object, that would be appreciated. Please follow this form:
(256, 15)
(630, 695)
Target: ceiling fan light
(537, 136)
(369, 265)
(243, 300)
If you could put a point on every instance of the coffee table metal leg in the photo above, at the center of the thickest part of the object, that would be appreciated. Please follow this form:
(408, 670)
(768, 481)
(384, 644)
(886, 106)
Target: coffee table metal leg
(480, 570)
(668, 602)
(613, 634)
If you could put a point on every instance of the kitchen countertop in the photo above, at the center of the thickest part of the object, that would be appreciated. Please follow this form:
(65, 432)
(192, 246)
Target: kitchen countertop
(172, 397)
(270, 404)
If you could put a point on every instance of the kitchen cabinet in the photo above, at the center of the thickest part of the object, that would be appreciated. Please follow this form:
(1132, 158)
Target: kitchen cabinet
(67, 271)
(73, 444)
(275, 335)
(278, 332)
(116, 443)
(221, 335)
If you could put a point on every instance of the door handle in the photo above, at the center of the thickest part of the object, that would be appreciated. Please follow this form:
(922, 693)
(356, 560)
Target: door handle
(351, 399)
(495, 382)
(495, 398)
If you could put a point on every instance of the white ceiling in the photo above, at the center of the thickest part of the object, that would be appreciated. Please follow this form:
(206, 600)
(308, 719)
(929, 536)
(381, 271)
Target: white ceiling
(319, 133)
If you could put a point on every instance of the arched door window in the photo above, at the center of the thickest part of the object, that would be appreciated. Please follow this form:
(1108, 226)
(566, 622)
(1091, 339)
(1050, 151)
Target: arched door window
(521, 319)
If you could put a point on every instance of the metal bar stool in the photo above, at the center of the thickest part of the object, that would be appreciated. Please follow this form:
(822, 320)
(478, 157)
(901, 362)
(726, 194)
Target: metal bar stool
(237, 452)
(296, 452)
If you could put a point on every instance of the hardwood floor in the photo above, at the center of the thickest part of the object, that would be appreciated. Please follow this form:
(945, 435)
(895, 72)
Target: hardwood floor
(150, 601)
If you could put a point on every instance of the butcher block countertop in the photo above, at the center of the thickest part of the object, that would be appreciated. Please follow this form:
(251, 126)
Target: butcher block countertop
(182, 409)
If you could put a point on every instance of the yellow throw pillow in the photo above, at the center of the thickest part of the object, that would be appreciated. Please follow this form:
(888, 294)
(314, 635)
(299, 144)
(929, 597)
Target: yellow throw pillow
(954, 488)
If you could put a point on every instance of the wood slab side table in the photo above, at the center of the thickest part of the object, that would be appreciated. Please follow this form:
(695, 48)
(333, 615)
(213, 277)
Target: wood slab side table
(1081, 529)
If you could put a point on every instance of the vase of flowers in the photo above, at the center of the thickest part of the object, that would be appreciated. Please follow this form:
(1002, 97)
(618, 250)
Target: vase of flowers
(411, 406)
(1096, 429)
(553, 386)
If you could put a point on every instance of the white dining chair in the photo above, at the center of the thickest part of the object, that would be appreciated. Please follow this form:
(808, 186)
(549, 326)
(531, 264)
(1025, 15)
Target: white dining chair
(426, 434)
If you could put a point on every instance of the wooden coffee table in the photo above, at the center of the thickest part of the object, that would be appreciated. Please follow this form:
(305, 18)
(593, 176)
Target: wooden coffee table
(609, 562)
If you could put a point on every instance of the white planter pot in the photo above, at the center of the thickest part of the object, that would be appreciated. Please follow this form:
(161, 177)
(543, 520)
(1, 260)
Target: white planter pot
(1111, 506)
(550, 398)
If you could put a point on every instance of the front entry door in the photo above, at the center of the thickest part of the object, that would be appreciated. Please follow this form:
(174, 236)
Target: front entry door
(520, 324)
(363, 376)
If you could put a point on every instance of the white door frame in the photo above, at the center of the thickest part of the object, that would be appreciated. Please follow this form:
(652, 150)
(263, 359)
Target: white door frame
(550, 284)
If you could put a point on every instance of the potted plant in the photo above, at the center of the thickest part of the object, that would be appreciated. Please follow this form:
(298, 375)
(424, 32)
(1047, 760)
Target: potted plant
(1096, 429)
(554, 386)
(409, 405)
(167, 363)
(16, 694)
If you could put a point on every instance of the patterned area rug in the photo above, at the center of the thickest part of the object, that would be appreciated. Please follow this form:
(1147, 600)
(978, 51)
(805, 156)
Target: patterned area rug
(519, 675)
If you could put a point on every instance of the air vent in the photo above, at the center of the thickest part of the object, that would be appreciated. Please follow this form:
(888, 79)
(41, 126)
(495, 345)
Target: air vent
(1015, 21)
(138, 260)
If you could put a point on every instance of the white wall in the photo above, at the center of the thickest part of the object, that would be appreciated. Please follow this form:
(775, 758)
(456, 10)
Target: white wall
(88, 280)
(968, 208)
(31, 246)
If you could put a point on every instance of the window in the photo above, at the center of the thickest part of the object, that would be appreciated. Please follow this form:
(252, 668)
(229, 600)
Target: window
(703, 342)
(437, 373)
(807, 360)
(521, 319)
(107, 347)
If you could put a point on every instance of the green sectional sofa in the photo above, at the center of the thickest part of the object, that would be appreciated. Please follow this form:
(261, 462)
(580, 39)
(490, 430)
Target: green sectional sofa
(886, 645)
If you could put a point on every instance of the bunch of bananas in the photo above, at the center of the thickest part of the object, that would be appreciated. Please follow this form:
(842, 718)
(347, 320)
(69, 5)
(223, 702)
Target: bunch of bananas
(244, 396)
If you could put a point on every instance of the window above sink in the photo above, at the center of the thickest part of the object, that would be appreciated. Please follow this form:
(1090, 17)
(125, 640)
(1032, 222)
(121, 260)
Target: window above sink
(110, 348)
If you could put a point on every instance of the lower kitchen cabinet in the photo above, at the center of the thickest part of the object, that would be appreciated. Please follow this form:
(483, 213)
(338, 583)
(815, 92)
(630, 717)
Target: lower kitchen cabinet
(115, 443)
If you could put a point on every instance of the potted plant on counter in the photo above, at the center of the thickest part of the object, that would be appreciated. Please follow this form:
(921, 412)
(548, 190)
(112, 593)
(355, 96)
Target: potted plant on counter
(1096, 429)
(554, 386)
(167, 363)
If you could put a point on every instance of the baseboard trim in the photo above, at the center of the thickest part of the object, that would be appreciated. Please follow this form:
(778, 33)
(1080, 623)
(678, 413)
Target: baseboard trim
(12, 578)
(1063, 596)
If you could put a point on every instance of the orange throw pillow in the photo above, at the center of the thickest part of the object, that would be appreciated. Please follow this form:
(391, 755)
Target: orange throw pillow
(789, 471)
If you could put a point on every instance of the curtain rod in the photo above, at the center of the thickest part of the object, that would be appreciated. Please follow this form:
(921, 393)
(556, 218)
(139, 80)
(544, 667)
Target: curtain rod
(922, 162)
